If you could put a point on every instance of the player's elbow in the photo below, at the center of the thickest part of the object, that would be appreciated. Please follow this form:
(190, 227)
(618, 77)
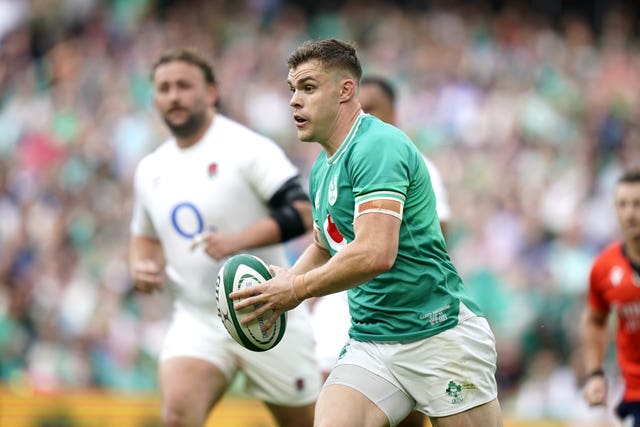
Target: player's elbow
(303, 208)
(381, 262)
(293, 220)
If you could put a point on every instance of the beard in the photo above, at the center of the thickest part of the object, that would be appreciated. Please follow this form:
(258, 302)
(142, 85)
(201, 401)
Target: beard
(189, 127)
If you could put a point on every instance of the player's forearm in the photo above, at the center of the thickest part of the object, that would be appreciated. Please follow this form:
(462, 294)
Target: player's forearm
(268, 231)
(371, 253)
(594, 340)
(312, 257)
(262, 233)
(145, 248)
(146, 262)
(352, 266)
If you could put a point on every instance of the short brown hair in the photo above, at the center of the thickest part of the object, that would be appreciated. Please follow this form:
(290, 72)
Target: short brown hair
(631, 176)
(188, 56)
(331, 52)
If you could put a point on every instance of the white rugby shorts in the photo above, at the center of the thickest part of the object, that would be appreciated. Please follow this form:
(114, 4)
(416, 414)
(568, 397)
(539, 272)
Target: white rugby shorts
(441, 375)
(285, 375)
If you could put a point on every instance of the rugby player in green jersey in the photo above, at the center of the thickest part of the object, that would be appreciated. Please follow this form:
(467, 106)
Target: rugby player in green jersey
(417, 339)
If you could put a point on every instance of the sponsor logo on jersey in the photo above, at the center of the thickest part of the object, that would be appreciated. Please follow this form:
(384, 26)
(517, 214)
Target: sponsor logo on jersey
(436, 316)
(629, 313)
(335, 239)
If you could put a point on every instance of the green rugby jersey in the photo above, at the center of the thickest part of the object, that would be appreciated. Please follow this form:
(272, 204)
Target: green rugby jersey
(421, 294)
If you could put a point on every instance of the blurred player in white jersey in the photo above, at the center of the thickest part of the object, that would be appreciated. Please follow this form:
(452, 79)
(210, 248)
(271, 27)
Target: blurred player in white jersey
(330, 313)
(214, 189)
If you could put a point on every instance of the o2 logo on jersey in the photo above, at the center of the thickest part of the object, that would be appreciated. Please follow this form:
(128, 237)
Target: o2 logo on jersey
(335, 239)
(187, 220)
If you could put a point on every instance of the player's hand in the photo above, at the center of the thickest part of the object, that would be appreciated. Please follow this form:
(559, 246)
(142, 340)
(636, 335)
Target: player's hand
(595, 390)
(275, 294)
(148, 276)
(217, 245)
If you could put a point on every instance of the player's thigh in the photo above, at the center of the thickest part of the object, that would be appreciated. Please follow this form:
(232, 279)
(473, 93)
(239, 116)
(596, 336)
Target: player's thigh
(289, 416)
(196, 333)
(342, 406)
(190, 387)
(195, 363)
(414, 419)
(366, 381)
(487, 415)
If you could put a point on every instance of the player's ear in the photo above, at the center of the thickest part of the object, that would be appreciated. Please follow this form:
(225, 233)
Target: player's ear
(212, 95)
(348, 90)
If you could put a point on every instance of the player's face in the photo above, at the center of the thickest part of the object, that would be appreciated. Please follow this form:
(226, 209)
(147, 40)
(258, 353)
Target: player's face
(183, 97)
(315, 100)
(627, 200)
(374, 101)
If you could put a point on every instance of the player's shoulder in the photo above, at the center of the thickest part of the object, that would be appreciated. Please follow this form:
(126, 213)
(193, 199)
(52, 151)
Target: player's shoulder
(608, 266)
(375, 131)
(610, 255)
(158, 156)
(378, 138)
(373, 127)
(610, 252)
(237, 133)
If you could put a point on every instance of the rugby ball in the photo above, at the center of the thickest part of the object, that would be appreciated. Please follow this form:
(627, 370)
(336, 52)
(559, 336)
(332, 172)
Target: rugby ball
(238, 272)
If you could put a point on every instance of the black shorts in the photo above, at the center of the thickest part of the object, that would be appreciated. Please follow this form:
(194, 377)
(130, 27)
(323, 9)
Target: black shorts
(629, 412)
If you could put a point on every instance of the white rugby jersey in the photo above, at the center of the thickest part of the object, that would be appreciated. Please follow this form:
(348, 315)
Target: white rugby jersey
(221, 183)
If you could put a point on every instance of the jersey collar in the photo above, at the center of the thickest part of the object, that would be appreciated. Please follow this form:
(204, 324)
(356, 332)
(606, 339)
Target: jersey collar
(347, 141)
(636, 267)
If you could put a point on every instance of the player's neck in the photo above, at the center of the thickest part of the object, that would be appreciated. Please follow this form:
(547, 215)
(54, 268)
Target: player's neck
(342, 129)
(188, 141)
(632, 250)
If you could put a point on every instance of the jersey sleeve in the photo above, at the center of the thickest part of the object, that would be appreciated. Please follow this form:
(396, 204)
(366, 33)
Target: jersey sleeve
(267, 167)
(595, 297)
(381, 172)
(141, 224)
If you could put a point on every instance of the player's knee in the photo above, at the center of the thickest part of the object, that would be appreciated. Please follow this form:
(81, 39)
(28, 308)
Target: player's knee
(176, 415)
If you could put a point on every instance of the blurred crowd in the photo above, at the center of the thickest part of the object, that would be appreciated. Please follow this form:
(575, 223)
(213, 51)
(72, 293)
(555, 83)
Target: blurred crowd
(530, 122)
